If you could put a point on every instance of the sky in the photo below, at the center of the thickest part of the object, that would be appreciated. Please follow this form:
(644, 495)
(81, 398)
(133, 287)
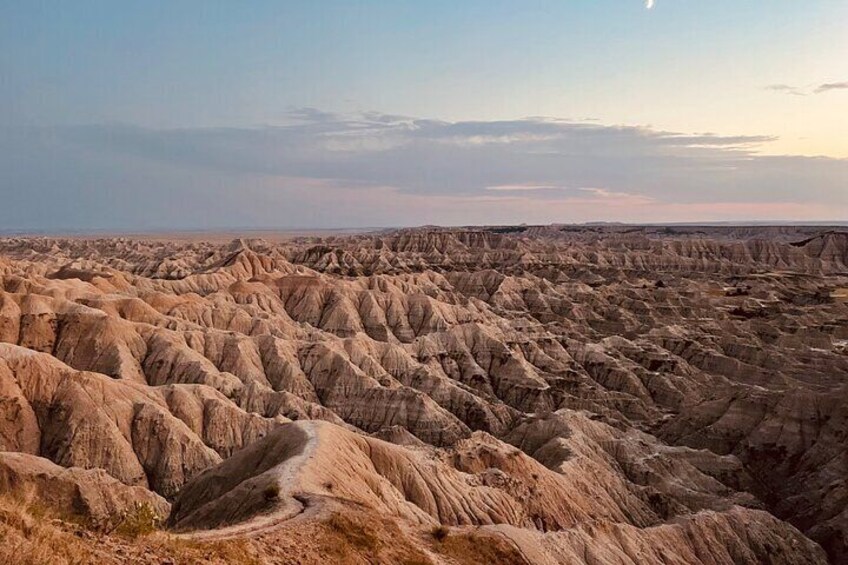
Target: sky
(319, 114)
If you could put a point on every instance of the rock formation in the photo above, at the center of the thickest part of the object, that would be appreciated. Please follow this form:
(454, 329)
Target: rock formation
(596, 394)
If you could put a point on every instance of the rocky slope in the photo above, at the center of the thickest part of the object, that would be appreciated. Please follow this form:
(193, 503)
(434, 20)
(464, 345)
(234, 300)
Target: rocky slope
(602, 394)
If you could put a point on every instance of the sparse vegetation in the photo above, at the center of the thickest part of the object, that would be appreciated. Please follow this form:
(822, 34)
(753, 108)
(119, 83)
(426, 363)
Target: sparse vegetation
(475, 549)
(141, 520)
(354, 536)
(355, 533)
(230, 552)
(28, 535)
(440, 533)
(31, 534)
(271, 492)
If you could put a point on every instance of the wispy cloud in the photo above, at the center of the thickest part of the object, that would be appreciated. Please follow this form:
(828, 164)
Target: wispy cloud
(786, 89)
(806, 91)
(522, 187)
(831, 86)
(617, 197)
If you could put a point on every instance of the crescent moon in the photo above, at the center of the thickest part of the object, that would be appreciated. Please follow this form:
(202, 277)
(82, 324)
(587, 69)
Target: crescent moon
(649, 4)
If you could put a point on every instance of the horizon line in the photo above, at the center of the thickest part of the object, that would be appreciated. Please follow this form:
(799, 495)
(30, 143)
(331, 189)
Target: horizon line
(118, 232)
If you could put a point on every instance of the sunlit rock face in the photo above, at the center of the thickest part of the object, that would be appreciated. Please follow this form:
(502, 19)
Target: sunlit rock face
(581, 394)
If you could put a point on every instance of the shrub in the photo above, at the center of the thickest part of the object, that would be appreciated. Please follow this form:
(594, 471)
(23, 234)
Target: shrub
(141, 520)
(440, 533)
(271, 492)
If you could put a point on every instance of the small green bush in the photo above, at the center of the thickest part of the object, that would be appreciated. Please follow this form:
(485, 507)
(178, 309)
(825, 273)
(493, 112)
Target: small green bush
(141, 520)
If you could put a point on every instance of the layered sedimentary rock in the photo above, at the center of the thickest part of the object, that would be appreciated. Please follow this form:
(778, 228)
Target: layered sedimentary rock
(595, 394)
(90, 494)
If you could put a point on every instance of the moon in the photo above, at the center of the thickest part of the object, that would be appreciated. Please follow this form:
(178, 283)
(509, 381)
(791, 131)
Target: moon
(649, 4)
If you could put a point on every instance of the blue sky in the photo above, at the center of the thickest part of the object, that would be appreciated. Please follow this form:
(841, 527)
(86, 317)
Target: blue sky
(149, 115)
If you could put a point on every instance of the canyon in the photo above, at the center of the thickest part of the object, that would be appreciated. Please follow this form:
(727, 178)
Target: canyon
(601, 394)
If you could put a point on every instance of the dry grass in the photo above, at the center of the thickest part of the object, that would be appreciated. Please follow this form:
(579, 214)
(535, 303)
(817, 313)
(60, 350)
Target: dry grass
(474, 549)
(231, 552)
(355, 533)
(31, 534)
(358, 537)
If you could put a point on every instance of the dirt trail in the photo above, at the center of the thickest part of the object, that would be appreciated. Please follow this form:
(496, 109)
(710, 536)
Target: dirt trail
(294, 505)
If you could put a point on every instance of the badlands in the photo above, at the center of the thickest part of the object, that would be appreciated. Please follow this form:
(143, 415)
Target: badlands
(519, 395)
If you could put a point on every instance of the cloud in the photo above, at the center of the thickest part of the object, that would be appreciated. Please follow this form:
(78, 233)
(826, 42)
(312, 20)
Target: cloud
(523, 187)
(319, 169)
(831, 86)
(786, 89)
(798, 91)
